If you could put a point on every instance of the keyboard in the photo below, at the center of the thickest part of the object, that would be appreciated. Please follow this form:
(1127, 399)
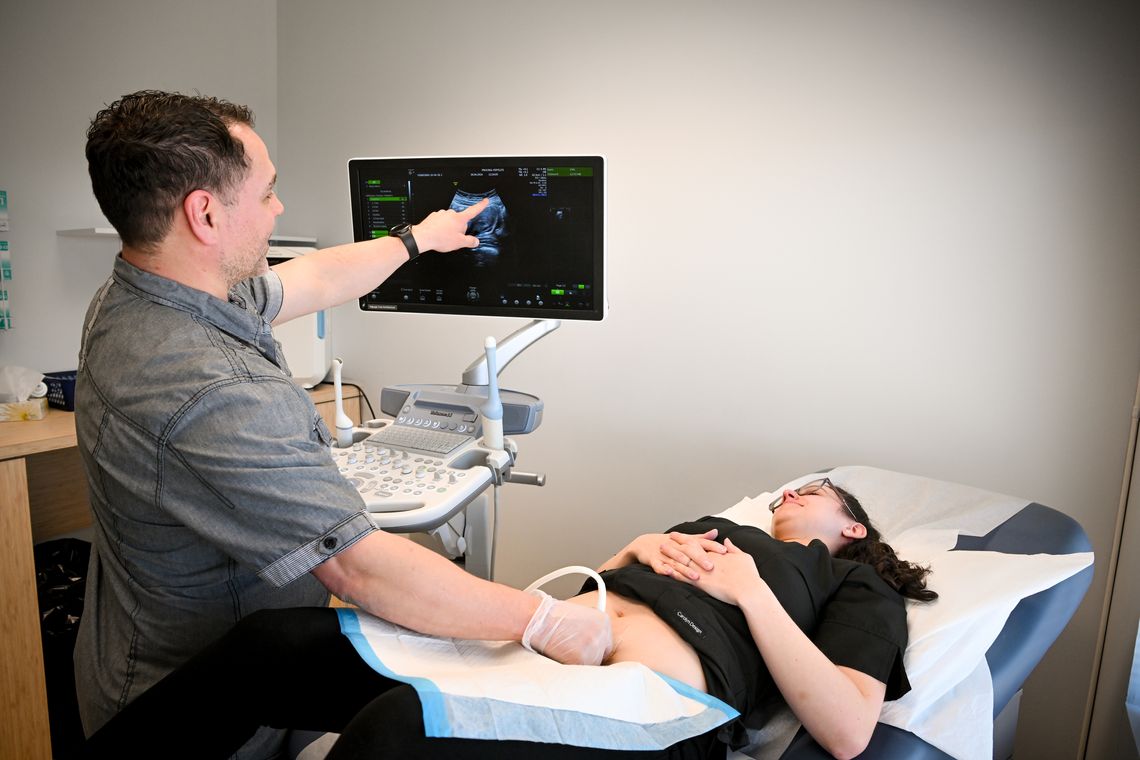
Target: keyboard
(433, 441)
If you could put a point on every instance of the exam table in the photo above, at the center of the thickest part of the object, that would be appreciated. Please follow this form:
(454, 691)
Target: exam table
(1028, 633)
(1038, 566)
(1032, 626)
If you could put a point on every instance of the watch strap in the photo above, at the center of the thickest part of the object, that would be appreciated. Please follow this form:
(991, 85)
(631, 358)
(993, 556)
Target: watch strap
(404, 232)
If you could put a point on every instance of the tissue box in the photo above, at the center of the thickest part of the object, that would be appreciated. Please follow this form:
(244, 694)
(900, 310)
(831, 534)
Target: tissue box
(32, 409)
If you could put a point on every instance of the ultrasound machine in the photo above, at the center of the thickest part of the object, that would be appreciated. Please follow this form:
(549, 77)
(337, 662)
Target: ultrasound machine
(426, 465)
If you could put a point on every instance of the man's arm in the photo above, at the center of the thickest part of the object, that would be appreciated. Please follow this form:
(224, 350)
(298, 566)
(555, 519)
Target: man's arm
(412, 586)
(401, 581)
(333, 276)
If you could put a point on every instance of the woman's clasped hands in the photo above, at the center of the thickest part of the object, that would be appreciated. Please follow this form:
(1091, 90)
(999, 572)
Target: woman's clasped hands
(722, 571)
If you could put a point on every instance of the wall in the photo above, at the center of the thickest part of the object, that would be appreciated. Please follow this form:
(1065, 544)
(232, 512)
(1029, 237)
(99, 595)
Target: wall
(900, 235)
(63, 61)
(897, 234)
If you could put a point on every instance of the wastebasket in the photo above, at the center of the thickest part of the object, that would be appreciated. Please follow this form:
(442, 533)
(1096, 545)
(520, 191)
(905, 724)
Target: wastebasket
(61, 578)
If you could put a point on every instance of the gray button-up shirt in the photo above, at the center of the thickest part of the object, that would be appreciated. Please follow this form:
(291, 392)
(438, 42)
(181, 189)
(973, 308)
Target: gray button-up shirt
(213, 489)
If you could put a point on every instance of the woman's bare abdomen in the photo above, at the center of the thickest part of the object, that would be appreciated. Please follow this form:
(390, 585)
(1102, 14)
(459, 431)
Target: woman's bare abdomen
(641, 636)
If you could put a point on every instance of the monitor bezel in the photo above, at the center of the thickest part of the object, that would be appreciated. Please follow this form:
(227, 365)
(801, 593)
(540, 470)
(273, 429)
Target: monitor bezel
(596, 161)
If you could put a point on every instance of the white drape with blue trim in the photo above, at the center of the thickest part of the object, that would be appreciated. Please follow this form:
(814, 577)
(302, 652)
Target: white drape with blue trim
(499, 690)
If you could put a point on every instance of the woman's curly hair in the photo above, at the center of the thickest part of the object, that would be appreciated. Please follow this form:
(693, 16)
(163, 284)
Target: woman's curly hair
(904, 577)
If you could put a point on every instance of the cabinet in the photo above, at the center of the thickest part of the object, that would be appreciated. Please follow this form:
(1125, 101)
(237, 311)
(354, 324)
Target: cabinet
(324, 398)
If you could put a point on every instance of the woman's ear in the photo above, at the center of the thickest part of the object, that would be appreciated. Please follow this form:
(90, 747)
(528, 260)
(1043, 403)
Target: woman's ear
(201, 209)
(855, 531)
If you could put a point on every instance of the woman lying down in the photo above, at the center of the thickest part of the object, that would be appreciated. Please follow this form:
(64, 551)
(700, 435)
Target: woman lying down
(813, 613)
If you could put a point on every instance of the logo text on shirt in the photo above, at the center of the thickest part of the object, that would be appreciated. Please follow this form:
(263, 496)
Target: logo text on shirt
(690, 623)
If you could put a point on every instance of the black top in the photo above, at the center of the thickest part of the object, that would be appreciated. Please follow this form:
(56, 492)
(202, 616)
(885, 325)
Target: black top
(848, 611)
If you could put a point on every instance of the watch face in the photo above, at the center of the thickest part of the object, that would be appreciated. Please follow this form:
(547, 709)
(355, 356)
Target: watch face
(400, 229)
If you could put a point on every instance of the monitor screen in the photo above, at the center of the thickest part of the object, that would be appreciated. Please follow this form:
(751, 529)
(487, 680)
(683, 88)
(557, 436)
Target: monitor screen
(541, 237)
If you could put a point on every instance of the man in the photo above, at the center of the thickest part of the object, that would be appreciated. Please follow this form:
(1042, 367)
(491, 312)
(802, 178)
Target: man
(212, 486)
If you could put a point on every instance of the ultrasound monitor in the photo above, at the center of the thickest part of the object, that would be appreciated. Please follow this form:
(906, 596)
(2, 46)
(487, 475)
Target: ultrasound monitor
(541, 238)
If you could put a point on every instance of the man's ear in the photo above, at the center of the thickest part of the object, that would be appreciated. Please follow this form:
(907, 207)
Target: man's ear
(855, 531)
(201, 209)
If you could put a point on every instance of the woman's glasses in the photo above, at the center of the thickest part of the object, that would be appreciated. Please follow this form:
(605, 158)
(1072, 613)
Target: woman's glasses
(815, 486)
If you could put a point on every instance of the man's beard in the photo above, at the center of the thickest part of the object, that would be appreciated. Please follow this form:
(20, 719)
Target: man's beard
(236, 272)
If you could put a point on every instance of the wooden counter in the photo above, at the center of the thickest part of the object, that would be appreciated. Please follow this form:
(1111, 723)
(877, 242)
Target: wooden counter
(43, 493)
(29, 453)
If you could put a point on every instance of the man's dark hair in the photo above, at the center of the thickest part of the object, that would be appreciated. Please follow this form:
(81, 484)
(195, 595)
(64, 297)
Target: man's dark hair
(148, 150)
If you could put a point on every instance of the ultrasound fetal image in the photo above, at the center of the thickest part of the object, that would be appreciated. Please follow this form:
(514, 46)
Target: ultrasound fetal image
(490, 226)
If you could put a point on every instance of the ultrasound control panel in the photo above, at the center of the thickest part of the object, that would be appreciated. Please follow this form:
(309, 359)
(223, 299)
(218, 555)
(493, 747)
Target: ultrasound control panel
(413, 483)
(425, 462)
(455, 409)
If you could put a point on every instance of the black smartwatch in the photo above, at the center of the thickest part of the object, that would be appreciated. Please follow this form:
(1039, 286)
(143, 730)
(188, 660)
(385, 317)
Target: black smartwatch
(404, 232)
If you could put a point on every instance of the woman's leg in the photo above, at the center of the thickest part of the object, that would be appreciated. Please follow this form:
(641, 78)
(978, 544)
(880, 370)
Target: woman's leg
(392, 725)
(288, 668)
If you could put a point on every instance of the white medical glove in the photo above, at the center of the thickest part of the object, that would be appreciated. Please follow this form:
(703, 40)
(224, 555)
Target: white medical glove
(572, 634)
